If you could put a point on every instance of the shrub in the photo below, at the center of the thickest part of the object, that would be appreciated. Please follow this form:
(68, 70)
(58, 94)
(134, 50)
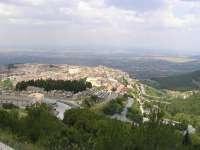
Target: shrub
(9, 106)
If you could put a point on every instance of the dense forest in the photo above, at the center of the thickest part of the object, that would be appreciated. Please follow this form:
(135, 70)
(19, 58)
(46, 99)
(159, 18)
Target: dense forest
(82, 129)
(49, 84)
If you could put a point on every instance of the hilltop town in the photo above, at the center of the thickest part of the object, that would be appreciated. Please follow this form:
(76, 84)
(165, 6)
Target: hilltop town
(99, 76)
(107, 83)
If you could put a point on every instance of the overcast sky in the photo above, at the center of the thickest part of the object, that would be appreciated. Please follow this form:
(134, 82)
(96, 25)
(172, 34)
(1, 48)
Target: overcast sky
(83, 24)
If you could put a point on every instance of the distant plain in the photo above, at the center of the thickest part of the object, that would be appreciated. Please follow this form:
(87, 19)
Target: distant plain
(140, 66)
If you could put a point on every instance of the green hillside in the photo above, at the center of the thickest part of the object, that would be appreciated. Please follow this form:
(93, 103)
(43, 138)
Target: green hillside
(185, 82)
(81, 129)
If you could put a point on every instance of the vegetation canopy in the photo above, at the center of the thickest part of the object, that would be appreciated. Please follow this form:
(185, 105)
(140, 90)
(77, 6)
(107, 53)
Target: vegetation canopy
(82, 129)
(49, 85)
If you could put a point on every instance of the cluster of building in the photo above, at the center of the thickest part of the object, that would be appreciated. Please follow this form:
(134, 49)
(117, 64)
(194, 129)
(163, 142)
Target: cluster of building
(102, 94)
(108, 78)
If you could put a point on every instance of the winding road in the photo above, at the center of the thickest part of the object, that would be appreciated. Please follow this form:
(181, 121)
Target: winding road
(122, 116)
(60, 106)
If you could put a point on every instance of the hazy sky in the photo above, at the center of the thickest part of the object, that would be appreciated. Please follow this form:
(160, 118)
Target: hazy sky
(83, 24)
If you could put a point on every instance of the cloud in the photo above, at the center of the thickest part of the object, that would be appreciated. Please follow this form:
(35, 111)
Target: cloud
(139, 5)
(8, 11)
(127, 23)
(24, 2)
(167, 14)
(100, 14)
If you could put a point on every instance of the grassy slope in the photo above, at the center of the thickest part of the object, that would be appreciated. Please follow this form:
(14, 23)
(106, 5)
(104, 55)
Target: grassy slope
(185, 110)
(153, 92)
(12, 140)
(182, 110)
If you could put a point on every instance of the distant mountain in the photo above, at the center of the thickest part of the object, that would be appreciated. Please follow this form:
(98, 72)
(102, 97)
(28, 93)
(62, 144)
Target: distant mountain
(184, 82)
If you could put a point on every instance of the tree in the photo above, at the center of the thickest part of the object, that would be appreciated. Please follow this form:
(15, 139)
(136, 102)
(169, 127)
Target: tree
(124, 82)
(186, 139)
(49, 84)
(156, 115)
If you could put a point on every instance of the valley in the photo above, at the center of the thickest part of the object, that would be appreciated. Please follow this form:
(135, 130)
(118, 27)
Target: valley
(99, 75)
(113, 94)
(184, 82)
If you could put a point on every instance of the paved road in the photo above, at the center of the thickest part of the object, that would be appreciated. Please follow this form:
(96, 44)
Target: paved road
(60, 107)
(122, 116)
(110, 97)
(5, 147)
